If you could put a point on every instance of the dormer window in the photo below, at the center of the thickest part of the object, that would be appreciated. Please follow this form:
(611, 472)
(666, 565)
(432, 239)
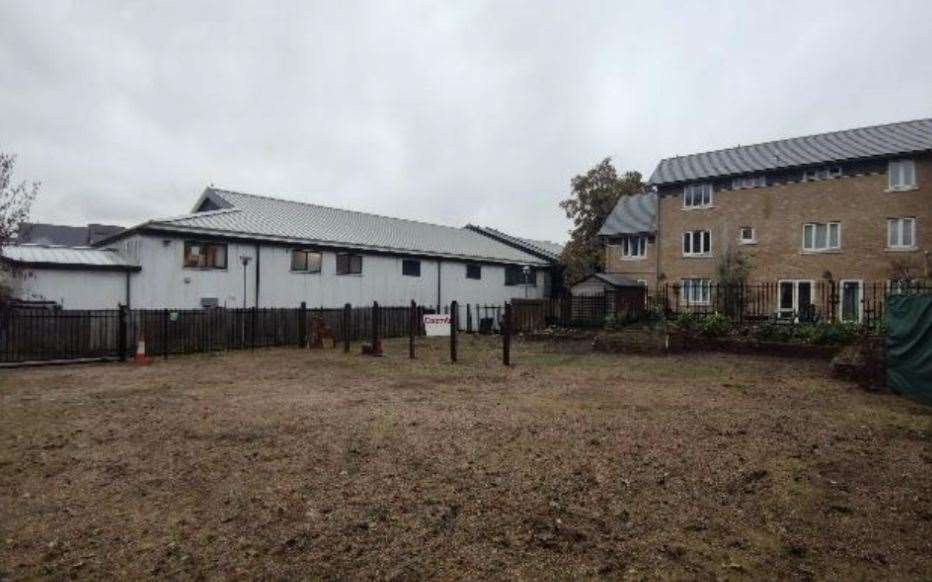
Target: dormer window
(697, 195)
(744, 182)
(901, 175)
(823, 173)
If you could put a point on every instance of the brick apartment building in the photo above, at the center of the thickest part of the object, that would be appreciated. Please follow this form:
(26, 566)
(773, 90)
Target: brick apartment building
(850, 207)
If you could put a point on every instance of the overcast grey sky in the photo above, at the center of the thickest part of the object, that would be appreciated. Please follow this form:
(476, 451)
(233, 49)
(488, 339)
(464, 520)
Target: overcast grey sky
(452, 112)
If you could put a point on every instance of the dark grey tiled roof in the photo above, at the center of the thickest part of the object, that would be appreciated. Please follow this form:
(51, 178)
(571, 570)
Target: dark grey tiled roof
(543, 248)
(59, 234)
(906, 137)
(615, 280)
(265, 218)
(633, 214)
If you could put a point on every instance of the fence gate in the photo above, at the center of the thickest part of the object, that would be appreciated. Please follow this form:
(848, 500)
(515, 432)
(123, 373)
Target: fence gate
(909, 346)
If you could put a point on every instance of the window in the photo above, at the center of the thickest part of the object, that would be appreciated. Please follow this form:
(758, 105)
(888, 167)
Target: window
(514, 275)
(633, 246)
(349, 264)
(822, 236)
(199, 255)
(748, 182)
(747, 236)
(473, 271)
(696, 291)
(901, 233)
(823, 173)
(305, 261)
(411, 268)
(901, 175)
(697, 243)
(697, 195)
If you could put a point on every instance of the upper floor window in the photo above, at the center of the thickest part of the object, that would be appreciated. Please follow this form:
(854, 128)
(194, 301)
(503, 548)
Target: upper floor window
(200, 255)
(742, 182)
(305, 261)
(697, 243)
(697, 195)
(901, 175)
(901, 233)
(411, 268)
(747, 236)
(349, 264)
(473, 271)
(634, 246)
(516, 275)
(822, 236)
(823, 173)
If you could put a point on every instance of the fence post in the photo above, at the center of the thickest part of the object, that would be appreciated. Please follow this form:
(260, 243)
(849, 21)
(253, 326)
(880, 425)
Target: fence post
(376, 331)
(121, 340)
(412, 323)
(468, 319)
(506, 336)
(347, 322)
(165, 334)
(302, 325)
(454, 310)
(255, 314)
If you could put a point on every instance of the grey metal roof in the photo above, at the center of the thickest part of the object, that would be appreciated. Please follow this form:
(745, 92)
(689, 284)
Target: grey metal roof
(78, 257)
(543, 248)
(266, 218)
(906, 137)
(61, 234)
(632, 214)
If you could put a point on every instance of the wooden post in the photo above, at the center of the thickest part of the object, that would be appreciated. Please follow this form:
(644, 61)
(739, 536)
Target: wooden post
(376, 329)
(347, 321)
(506, 336)
(121, 341)
(454, 310)
(412, 327)
(165, 334)
(302, 325)
(468, 319)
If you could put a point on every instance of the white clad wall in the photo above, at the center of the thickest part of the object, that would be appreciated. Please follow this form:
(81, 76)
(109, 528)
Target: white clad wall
(164, 282)
(72, 289)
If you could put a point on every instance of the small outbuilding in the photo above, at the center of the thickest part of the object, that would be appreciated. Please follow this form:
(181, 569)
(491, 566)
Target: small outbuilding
(600, 283)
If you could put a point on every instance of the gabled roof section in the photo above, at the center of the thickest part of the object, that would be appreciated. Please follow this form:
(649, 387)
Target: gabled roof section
(879, 141)
(634, 214)
(543, 249)
(264, 218)
(67, 257)
(64, 235)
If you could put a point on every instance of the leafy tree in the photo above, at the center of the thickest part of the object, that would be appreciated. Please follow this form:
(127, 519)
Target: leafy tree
(594, 195)
(15, 202)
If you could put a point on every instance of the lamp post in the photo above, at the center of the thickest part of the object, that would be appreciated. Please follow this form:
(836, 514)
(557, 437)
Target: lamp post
(245, 260)
(527, 272)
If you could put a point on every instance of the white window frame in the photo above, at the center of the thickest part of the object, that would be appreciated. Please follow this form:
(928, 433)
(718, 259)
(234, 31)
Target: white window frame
(689, 197)
(692, 243)
(704, 287)
(794, 310)
(901, 222)
(748, 182)
(747, 241)
(901, 175)
(633, 247)
(841, 299)
(828, 237)
(822, 173)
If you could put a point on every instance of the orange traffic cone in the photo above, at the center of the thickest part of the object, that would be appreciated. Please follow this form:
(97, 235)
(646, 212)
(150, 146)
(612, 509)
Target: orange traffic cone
(141, 358)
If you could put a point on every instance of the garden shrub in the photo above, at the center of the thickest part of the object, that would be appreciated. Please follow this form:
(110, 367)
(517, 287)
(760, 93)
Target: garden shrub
(715, 325)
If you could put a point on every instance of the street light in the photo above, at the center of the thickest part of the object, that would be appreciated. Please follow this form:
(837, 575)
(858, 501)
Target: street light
(527, 273)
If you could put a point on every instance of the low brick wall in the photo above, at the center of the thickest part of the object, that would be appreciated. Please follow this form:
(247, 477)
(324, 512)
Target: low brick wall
(680, 342)
(635, 341)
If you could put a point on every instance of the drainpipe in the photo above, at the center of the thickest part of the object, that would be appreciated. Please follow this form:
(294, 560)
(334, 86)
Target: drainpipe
(439, 269)
(257, 275)
(657, 246)
(128, 273)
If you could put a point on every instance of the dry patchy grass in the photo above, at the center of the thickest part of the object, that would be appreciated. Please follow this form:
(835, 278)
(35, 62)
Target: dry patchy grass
(294, 464)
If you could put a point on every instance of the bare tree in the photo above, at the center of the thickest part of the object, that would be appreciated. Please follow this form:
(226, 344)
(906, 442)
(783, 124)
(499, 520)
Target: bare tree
(15, 200)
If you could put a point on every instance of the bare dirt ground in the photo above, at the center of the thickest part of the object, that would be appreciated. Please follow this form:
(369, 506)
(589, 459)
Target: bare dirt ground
(292, 464)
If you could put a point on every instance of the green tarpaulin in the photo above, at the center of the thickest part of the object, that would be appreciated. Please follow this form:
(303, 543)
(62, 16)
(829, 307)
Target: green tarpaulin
(909, 346)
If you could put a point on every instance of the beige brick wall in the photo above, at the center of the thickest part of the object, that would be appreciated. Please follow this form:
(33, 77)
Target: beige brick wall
(778, 214)
(645, 268)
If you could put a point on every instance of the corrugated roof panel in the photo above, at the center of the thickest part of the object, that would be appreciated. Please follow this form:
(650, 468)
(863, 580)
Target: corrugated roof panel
(68, 256)
(882, 140)
(309, 223)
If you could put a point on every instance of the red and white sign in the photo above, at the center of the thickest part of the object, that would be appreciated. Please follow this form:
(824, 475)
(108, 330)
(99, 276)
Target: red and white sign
(436, 325)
